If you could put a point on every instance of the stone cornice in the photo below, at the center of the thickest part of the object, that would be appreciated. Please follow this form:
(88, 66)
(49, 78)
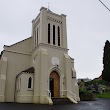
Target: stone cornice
(17, 52)
(43, 8)
(53, 46)
(63, 15)
(53, 19)
(36, 23)
(38, 16)
(53, 13)
(50, 46)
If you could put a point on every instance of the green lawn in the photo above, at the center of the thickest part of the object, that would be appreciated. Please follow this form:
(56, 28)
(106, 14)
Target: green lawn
(104, 95)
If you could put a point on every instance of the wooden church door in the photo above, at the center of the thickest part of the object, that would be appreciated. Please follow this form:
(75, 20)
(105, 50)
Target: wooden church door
(55, 84)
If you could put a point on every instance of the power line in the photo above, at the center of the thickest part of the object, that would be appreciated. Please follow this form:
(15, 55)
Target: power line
(104, 5)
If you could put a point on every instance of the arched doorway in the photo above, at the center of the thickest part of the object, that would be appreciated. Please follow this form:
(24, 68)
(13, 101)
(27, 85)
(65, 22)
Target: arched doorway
(55, 84)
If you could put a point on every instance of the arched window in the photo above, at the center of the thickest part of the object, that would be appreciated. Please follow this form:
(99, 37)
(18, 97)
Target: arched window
(19, 83)
(72, 74)
(58, 36)
(29, 82)
(37, 36)
(49, 33)
(54, 34)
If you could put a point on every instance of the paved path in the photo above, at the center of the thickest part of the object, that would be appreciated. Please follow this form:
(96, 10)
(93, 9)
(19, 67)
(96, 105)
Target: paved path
(99, 104)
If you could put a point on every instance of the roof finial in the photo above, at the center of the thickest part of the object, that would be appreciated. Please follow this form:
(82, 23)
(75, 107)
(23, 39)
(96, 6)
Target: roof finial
(48, 5)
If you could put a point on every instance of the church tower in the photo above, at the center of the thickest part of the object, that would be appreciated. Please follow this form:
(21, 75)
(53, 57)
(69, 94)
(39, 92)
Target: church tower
(54, 68)
(49, 28)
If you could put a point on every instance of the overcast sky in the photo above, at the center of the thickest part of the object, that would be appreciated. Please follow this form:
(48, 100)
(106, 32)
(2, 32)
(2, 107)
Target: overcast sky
(88, 27)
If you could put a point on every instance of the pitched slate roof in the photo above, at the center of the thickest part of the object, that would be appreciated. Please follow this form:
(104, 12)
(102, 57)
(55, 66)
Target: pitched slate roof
(29, 70)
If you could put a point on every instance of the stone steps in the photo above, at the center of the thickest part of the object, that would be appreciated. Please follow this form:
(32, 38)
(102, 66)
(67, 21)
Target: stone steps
(61, 101)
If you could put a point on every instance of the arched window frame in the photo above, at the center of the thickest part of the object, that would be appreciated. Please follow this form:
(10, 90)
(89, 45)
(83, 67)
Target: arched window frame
(53, 34)
(37, 36)
(49, 33)
(58, 35)
(72, 75)
(30, 83)
(18, 84)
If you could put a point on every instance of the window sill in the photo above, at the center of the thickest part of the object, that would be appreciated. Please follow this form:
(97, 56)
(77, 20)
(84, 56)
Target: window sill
(30, 90)
(18, 91)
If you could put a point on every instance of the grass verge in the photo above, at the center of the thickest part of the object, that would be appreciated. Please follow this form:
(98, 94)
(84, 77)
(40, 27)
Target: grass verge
(104, 95)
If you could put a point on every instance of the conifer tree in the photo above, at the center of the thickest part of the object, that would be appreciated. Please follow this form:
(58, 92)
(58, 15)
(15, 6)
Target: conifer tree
(106, 62)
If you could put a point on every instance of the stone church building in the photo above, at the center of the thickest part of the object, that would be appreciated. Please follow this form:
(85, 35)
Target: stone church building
(38, 68)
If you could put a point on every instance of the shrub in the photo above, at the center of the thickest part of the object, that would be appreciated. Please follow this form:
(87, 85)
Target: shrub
(86, 96)
(96, 81)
